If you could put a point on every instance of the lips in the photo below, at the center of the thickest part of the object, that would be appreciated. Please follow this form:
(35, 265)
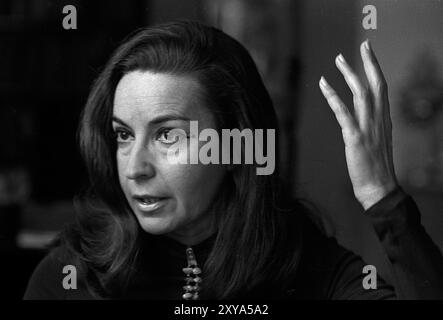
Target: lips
(148, 203)
(148, 199)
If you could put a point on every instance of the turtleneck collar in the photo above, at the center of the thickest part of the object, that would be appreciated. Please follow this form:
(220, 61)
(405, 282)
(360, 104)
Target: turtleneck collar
(173, 246)
(160, 263)
(167, 251)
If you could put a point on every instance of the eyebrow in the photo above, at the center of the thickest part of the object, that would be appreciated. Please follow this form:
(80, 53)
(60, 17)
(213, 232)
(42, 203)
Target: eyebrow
(159, 119)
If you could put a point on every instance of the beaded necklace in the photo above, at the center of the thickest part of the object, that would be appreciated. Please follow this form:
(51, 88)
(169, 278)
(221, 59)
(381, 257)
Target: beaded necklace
(193, 279)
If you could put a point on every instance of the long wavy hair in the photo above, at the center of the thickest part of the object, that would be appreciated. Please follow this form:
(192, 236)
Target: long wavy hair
(256, 246)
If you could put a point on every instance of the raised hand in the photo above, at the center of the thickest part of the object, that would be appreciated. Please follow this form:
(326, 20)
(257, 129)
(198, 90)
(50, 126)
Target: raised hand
(367, 134)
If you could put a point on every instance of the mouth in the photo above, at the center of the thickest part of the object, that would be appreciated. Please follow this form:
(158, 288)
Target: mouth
(148, 203)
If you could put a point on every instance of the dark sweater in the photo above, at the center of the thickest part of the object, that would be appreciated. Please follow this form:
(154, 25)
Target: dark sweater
(326, 269)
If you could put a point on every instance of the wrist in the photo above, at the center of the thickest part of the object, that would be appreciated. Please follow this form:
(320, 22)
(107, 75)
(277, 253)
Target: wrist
(372, 195)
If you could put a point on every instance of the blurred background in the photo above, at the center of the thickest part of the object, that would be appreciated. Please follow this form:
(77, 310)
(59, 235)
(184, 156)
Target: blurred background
(47, 71)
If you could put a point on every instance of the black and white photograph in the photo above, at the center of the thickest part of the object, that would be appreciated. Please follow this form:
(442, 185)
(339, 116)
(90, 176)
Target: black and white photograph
(255, 151)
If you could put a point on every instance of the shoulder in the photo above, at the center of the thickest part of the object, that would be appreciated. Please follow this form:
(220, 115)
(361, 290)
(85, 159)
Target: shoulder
(48, 281)
(327, 270)
(318, 247)
(322, 261)
(322, 251)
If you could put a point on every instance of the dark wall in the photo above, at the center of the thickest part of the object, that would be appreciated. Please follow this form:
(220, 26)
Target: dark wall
(46, 74)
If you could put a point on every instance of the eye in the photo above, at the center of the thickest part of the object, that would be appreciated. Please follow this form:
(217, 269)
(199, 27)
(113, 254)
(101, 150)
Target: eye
(122, 135)
(168, 136)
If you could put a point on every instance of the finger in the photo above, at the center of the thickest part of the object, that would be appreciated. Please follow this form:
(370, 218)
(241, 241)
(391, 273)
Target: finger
(344, 117)
(361, 97)
(378, 86)
(374, 74)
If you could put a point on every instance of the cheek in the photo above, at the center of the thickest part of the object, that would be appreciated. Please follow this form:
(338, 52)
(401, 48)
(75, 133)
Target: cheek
(121, 166)
(195, 185)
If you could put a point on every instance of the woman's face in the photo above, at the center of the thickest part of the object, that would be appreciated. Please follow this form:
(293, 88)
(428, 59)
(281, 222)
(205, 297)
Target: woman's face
(166, 198)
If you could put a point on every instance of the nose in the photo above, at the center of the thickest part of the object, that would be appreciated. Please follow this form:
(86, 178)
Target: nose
(140, 165)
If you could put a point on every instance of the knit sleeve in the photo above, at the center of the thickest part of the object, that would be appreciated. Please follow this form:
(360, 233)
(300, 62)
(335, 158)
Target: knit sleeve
(416, 262)
(331, 271)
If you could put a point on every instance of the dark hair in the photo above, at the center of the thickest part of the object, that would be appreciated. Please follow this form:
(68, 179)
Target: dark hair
(254, 247)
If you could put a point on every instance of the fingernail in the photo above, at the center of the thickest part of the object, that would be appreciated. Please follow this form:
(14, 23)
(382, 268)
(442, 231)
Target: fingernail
(322, 81)
(367, 45)
(341, 58)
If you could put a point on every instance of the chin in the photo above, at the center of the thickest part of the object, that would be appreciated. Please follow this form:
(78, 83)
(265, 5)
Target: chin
(155, 226)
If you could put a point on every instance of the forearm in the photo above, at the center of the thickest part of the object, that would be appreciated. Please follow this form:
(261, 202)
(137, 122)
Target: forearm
(416, 261)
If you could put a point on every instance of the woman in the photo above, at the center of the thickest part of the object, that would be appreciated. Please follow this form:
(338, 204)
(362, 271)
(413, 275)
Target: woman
(153, 229)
